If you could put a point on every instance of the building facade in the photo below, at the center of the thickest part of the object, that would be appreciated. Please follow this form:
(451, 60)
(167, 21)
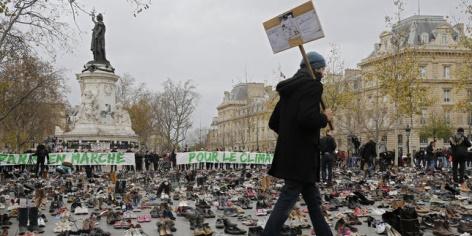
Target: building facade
(439, 55)
(242, 120)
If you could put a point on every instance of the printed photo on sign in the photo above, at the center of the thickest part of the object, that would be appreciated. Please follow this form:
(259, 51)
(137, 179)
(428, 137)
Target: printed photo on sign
(289, 27)
(294, 28)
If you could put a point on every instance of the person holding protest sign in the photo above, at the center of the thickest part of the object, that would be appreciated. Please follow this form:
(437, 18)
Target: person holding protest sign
(297, 120)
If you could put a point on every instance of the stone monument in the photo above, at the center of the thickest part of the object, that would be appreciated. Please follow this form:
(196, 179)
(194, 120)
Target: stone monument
(101, 118)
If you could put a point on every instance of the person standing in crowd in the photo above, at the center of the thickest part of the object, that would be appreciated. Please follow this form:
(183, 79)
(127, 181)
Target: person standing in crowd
(155, 160)
(297, 120)
(42, 155)
(430, 155)
(368, 154)
(147, 160)
(139, 160)
(173, 159)
(419, 157)
(327, 148)
(113, 167)
(459, 144)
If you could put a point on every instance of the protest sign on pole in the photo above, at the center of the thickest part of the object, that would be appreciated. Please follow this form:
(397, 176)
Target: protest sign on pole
(294, 28)
(224, 157)
(76, 158)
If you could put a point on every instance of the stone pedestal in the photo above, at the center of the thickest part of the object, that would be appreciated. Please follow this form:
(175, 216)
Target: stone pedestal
(101, 117)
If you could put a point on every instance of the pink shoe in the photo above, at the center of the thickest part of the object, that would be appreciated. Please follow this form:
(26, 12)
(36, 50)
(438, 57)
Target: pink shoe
(147, 218)
(357, 212)
(142, 219)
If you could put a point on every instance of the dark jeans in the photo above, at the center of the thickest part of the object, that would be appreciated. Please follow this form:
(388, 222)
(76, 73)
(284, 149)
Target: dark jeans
(327, 162)
(39, 164)
(28, 215)
(461, 164)
(287, 199)
(370, 165)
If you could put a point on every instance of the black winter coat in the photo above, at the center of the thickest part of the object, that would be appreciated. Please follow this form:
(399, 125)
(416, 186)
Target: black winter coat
(370, 150)
(41, 153)
(297, 121)
(459, 144)
(327, 144)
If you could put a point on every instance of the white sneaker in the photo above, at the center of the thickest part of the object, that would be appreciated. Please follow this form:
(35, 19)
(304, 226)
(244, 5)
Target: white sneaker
(378, 212)
(41, 222)
(380, 228)
(261, 212)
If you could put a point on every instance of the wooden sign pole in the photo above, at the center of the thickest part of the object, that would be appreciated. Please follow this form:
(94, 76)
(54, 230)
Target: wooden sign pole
(307, 63)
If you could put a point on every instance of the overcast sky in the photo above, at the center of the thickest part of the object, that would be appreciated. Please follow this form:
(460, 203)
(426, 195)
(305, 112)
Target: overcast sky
(214, 42)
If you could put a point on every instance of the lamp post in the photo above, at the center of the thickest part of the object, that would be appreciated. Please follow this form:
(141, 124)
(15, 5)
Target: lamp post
(408, 131)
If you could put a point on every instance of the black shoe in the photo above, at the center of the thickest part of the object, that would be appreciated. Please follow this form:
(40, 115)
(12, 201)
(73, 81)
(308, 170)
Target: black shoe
(255, 231)
(219, 223)
(287, 231)
(362, 199)
(234, 230)
(228, 223)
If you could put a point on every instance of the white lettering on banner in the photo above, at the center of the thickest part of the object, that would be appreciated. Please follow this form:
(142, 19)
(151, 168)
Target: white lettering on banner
(76, 158)
(224, 157)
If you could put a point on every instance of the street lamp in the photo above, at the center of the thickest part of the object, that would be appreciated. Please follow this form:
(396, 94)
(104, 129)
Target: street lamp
(408, 131)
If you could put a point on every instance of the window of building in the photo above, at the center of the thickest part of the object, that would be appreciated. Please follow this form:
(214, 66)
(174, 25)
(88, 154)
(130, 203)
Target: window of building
(424, 116)
(444, 39)
(384, 138)
(447, 72)
(423, 140)
(400, 139)
(447, 117)
(356, 85)
(447, 95)
(424, 38)
(423, 71)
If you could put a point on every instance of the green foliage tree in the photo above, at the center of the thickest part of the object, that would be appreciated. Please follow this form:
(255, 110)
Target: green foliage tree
(436, 127)
(36, 90)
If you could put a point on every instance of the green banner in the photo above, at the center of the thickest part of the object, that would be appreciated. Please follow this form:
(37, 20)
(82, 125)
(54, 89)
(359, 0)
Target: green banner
(224, 157)
(76, 158)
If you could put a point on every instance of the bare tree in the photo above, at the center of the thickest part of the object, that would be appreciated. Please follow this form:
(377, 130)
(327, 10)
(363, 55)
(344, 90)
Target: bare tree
(128, 92)
(177, 104)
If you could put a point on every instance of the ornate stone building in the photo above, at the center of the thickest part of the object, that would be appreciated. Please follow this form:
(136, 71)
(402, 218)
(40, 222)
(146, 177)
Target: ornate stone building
(242, 120)
(436, 44)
